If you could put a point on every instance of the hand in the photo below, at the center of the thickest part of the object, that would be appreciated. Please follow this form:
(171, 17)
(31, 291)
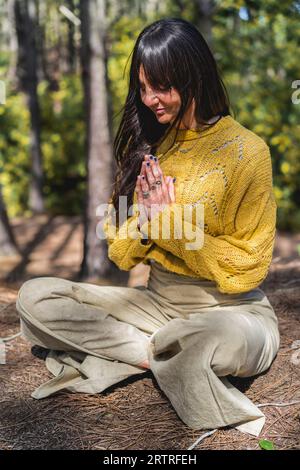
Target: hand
(143, 211)
(159, 195)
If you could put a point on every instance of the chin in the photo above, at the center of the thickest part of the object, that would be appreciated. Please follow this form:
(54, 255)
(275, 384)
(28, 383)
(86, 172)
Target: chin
(164, 118)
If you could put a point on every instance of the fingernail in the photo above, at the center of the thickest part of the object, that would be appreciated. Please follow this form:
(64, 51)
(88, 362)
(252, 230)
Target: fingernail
(143, 177)
(174, 179)
(151, 157)
(148, 163)
(155, 159)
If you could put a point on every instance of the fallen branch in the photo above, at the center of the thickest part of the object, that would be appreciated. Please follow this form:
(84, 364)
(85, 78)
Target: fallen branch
(280, 404)
(201, 438)
(259, 406)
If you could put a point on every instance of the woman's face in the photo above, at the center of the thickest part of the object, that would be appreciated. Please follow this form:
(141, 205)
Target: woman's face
(168, 101)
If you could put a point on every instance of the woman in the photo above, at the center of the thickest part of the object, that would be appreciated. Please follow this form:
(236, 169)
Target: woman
(202, 315)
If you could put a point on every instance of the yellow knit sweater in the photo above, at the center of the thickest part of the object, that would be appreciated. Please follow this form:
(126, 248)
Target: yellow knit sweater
(228, 170)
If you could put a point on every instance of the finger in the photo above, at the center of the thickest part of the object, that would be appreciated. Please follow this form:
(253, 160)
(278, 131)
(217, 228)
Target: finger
(143, 169)
(163, 186)
(171, 190)
(140, 198)
(143, 166)
(167, 182)
(156, 196)
(155, 169)
(144, 183)
(158, 176)
(138, 190)
(150, 175)
(138, 186)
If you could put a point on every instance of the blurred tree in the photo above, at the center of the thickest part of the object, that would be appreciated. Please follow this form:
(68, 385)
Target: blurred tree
(13, 43)
(71, 40)
(98, 142)
(204, 12)
(8, 244)
(256, 47)
(26, 27)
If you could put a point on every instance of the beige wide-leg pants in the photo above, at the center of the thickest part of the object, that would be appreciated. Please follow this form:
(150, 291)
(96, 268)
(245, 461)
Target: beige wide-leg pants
(192, 335)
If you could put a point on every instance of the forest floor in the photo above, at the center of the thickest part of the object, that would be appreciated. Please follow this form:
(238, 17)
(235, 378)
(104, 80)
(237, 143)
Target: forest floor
(135, 413)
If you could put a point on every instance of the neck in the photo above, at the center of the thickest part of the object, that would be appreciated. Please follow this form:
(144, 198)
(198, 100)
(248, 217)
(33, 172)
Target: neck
(194, 125)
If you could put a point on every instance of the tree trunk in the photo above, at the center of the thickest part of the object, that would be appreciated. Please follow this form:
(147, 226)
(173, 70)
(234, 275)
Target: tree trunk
(98, 142)
(26, 26)
(71, 40)
(13, 43)
(8, 244)
(204, 12)
(44, 64)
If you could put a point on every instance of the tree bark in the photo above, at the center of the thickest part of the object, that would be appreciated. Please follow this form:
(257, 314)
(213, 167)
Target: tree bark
(204, 11)
(26, 26)
(8, 244)
(13, 43)
(71, 40)
(98, 142)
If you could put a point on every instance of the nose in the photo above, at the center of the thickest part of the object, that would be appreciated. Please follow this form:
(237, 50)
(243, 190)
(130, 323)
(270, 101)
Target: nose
(150, 98)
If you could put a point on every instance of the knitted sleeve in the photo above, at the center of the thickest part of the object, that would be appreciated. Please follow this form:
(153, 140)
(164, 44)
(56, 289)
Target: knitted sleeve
(125, 248)
(237, 260)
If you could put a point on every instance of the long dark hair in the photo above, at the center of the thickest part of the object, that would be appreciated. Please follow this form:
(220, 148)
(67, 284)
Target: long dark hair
(173, 53)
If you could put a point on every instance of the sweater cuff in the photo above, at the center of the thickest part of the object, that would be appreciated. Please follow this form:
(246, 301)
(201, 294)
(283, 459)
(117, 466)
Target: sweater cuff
(173, 223)
(144, 240)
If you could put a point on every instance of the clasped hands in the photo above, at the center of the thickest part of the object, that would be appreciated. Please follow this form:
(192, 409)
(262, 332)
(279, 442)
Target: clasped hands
(154, 190)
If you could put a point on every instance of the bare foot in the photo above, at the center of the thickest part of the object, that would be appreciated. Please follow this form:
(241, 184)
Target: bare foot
(144, 364)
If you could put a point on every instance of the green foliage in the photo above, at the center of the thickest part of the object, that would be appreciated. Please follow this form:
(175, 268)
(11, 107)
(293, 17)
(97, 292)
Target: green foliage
(62, 145)
(256, 46)
(258, 58)
(122, 38)
(14, 149)
(63, 134)
(266, 445)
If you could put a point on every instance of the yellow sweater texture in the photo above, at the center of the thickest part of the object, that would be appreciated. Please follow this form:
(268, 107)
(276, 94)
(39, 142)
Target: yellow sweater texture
(227, 170)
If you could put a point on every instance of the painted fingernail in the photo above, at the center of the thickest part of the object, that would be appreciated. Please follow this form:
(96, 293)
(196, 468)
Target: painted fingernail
(174, 179)
(151, 157)
(155, 159)
(143, 177)
(148, 163)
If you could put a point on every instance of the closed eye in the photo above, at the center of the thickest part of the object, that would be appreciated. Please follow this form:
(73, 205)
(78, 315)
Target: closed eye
(162, 89)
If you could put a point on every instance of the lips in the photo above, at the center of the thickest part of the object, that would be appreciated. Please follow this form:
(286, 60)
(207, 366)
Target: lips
(160, 111)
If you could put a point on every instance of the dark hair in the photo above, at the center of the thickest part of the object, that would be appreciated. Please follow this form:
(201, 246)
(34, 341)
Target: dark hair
(173, 53)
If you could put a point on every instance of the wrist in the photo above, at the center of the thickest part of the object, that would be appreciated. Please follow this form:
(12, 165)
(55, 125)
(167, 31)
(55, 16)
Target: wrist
(145, 240)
